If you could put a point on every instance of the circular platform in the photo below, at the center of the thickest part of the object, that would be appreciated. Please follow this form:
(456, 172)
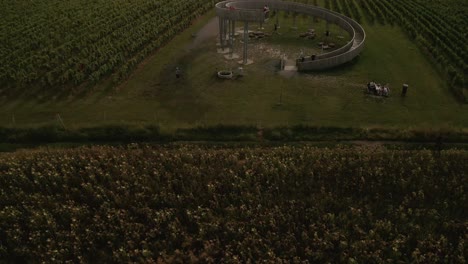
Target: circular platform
(252, 11)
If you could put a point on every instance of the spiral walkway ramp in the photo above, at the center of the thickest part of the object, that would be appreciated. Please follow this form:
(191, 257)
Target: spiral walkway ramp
(251, 11)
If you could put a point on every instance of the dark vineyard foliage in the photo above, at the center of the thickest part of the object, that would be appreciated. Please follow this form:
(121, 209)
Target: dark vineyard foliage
(189, 204)
(53, 43)
(439, 27)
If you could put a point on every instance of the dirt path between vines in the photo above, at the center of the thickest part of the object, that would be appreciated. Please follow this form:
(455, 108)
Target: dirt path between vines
(206, 33)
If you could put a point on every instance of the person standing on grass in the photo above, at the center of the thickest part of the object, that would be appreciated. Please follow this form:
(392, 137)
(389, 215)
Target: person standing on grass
(266, 11)
(177, 72)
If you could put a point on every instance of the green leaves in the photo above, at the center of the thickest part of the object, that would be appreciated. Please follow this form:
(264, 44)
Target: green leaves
(77, 30)
(189, 203)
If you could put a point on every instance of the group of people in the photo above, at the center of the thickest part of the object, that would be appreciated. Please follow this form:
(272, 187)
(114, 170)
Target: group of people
(378, 89)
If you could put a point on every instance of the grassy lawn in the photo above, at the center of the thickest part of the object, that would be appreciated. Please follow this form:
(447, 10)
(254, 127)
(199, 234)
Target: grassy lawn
(332, 98)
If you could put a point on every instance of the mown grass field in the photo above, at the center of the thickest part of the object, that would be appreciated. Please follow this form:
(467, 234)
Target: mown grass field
(332, 98)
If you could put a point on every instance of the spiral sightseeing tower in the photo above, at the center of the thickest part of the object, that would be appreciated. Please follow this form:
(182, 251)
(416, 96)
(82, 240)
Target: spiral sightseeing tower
(231, 12)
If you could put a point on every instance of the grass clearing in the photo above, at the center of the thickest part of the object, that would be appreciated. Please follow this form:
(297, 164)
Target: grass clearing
(152, 95)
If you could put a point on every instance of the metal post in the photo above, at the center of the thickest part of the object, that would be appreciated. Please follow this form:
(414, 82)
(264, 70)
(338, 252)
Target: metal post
(294, 21)
(281, 94)
(246, 39)
(220, 31)
(229, 30)
(226, 21)
(277, 19)
(233, 28)
(327, 33)
(228, 25)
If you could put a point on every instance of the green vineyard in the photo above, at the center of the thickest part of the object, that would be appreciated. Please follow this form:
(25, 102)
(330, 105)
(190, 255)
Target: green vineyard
(187, 204)
(439, 32)
(60, 43)
(141, 151)
(438, 27)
